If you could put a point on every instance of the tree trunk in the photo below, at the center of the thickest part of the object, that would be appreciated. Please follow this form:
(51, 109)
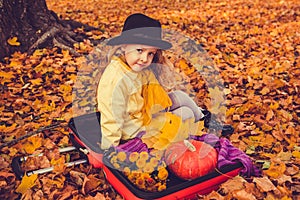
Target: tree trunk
(34, 26)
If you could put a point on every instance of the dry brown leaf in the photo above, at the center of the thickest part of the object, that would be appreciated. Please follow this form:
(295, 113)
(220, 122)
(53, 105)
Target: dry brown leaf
(252, 189)
(283, 179)
(264, 184)
(99, 196)
(236, 183)
(3, 164)
(243, 195)
(292, 170)
(90, 183)
(77, 177)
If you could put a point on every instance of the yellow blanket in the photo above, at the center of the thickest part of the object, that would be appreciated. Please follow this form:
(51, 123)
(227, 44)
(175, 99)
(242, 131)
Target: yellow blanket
(162, 127)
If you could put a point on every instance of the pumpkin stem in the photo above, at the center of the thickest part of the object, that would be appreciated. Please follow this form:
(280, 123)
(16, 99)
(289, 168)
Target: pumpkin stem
(189, 145)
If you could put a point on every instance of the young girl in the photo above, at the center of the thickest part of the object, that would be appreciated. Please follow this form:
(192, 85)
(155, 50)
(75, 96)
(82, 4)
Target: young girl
(130, 98)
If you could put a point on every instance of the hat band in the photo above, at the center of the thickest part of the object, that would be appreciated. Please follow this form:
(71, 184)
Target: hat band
(146, 36)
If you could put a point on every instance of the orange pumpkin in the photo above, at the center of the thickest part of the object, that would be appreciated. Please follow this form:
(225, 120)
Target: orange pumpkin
(191, 159)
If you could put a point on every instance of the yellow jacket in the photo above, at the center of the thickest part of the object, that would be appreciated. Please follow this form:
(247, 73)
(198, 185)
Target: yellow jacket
(127, 101)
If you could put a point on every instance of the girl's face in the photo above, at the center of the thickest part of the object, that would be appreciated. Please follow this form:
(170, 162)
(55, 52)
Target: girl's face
(139, 56)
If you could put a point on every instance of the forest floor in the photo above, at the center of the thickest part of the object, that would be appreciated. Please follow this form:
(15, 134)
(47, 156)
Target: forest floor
(255, 47)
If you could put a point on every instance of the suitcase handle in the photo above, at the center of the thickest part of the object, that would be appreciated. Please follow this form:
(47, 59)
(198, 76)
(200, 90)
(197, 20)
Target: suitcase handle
(16, 167)
(16, 162)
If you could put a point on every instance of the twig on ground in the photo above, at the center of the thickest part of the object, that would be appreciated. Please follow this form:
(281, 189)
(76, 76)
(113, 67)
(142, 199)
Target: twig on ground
(15, 141)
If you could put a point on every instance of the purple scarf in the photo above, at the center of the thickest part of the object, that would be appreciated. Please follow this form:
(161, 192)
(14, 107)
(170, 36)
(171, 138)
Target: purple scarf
(228, 154)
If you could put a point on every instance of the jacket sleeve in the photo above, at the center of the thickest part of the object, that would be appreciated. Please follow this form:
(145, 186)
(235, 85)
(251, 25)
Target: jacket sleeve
(112, 100)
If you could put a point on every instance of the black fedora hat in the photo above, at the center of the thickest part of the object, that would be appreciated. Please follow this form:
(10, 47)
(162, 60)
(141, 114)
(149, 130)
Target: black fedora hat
(141, 29)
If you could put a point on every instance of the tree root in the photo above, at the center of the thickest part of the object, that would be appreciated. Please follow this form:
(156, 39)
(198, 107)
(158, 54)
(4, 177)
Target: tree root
(65, 47)
(49, 34)
(61, 36)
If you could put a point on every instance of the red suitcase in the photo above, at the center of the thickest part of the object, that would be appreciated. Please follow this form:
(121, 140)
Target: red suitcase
(85, 135)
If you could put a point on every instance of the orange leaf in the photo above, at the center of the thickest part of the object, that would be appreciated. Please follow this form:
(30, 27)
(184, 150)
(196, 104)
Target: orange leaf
(6, 75)
(32, 144)
(276, 169)
(265, 91)
(270, 115)
(37, 81)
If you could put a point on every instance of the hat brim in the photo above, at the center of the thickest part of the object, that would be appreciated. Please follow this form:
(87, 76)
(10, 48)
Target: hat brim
(118, 40)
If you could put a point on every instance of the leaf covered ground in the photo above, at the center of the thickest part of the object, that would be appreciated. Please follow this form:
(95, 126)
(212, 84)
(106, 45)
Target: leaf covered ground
(254, 44)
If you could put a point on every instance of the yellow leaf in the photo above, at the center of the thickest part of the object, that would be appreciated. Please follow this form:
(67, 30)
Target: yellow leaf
(284, 156)
(182, 64)
(265, 91)
(27, 183)
(217, 98)
(37, 81)
(65, 89)
(84, 102)
(274, 106)
(59, 164)
(230, 111)
(226, 91)
(72, 77)
(38, 52)
(296, 154)
(266, 127)
(6, 75)
(13, 41)
(15, 63)
(276, 169)
(270, 115)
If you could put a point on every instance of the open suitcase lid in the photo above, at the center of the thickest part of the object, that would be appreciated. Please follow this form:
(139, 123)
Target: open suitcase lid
(87, 129)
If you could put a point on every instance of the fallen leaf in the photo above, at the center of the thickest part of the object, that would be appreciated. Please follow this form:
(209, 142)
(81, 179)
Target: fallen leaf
(3, 164)
(32, 144)
(236, 183)
(89, 183)
(276, 169)
(58, 164)
(77, 177)
(99, 196)
(264, 184)
(13, 41)
(213, 195)
(243, 195)
(283, 179)
(27, 183)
